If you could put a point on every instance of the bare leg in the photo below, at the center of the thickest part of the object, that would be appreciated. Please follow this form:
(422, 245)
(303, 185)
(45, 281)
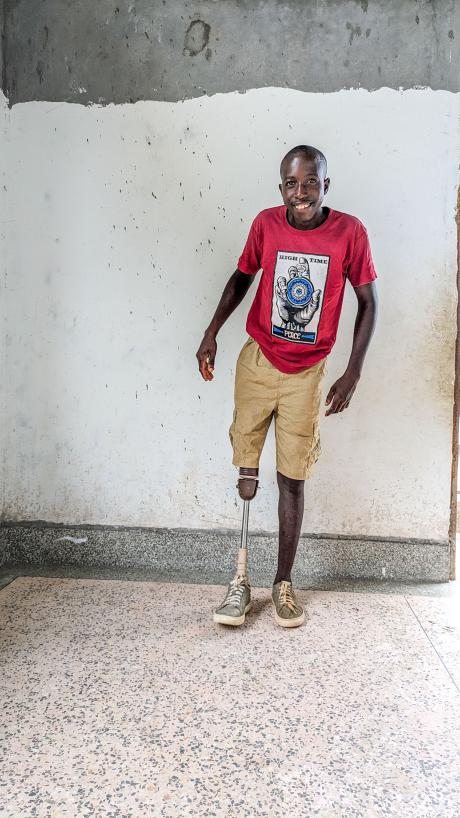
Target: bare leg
(290, 513)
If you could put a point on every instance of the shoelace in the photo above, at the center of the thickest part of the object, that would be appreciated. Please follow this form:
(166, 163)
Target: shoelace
(286, 597)
(235, 591)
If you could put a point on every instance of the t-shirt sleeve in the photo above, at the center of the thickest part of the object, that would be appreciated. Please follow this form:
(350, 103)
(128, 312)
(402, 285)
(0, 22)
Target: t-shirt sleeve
(250, 260)
(361, 268)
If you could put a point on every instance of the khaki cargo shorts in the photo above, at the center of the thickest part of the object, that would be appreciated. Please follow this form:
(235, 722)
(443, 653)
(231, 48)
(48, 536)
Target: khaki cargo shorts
(263, 392)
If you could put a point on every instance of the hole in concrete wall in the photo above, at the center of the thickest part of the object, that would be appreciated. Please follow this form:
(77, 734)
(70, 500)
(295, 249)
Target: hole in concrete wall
(196, 38)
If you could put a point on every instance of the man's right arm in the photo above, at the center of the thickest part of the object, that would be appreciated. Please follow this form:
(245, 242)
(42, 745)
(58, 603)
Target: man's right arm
(236, 288)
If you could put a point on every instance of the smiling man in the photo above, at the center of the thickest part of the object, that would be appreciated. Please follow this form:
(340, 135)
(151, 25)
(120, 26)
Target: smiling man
(306, 253)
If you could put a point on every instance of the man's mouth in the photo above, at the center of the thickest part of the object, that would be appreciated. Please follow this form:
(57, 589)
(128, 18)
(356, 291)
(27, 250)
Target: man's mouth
(302, 205)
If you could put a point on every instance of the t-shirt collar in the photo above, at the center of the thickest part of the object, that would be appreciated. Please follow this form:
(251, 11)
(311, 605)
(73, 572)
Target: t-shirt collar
(315, 230)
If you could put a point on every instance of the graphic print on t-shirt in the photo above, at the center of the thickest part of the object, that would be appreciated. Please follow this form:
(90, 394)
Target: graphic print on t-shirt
(298, 290)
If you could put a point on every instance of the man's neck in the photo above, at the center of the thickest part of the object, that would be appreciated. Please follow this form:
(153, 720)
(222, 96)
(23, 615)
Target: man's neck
(317, 221)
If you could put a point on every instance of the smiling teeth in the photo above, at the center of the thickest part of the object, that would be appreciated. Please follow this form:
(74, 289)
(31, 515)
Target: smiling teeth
(302, 206)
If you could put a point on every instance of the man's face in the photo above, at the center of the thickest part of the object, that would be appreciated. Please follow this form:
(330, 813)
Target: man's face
(303, 188)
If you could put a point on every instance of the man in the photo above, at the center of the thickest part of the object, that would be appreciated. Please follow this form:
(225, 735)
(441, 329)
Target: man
(306, 252)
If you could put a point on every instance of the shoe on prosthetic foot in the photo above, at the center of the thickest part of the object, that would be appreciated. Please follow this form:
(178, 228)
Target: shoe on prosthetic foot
(236, 604)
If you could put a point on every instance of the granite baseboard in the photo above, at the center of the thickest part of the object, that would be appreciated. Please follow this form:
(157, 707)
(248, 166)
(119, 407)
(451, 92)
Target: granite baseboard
(209, 553)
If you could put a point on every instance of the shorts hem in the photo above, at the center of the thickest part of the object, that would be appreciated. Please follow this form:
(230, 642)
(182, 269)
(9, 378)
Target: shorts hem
(292, 474)
(245, 463)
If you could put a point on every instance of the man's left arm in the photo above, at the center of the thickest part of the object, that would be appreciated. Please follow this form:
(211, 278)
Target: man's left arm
(341, 392)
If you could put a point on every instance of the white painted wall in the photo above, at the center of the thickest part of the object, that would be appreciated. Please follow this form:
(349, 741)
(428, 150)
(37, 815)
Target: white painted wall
(125, 223)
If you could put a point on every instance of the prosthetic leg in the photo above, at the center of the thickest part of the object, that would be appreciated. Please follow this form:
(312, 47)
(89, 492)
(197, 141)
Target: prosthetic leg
(237, 600)
(247, 493)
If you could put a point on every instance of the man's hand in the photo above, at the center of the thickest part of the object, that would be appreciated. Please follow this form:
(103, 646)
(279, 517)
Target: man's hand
(341, 392)
(206, 356)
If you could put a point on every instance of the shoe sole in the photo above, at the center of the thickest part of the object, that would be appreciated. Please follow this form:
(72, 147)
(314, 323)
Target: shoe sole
(289, 623)
(232, 620)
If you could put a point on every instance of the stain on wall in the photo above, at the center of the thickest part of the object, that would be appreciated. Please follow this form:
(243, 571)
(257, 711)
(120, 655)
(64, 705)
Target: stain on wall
(107, 52)
(196, 38)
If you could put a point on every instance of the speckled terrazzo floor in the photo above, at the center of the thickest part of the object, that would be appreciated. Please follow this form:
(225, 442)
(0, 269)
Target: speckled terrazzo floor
(123, 699)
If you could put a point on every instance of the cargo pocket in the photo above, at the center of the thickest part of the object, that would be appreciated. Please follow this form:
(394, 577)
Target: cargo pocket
(231, 431)
(315, 450)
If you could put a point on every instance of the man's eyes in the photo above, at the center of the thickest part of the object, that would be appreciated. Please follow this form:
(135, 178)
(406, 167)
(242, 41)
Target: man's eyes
(311, 181)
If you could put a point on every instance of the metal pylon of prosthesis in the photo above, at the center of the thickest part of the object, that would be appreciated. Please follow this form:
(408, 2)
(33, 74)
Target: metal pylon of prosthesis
(242, 565)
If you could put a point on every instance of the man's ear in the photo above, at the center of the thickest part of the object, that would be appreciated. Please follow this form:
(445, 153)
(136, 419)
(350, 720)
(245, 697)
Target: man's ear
(280, 187)
(327, 182)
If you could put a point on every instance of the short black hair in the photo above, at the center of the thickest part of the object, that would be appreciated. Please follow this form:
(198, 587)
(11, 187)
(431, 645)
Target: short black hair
(309, 152)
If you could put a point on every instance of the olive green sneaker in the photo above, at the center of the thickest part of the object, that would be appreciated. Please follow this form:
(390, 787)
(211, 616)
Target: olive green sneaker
(236, 604)
(288, 612)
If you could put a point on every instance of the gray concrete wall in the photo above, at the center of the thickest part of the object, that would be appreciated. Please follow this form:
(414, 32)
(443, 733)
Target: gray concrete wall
(208, 556)
(123, 51)
(2, 49)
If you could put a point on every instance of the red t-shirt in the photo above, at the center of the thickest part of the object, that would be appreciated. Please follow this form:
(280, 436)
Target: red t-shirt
(295, 314)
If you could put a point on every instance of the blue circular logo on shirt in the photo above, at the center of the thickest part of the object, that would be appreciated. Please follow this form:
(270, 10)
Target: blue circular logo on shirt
(299, 291)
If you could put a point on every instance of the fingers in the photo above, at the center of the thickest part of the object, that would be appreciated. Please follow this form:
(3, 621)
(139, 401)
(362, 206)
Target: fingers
(337, 403)
(206, 364)
(340, 394)
(206, 367)
(305, 316)
(206, 356)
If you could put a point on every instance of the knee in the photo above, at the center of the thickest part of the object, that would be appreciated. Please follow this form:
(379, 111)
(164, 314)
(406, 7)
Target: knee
(290, 486)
